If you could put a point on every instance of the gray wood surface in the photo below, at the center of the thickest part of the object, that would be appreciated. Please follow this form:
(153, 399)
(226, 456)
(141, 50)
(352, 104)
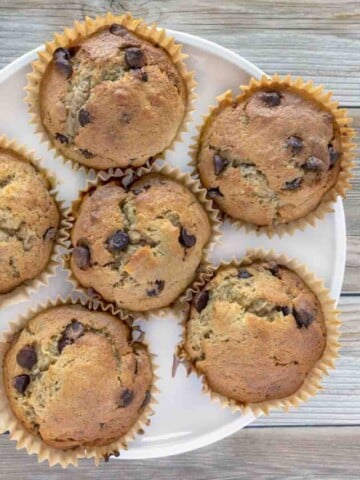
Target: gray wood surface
(315, 39)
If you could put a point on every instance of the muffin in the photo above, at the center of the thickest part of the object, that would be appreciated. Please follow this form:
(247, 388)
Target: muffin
(270, 156)
(139, 247)
(255, 332)
(74, 378)
(112, 99)
(29, 220)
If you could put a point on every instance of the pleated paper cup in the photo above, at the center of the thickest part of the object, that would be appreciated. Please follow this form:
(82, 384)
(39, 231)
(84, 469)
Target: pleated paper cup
(79, 32)
(22, 292)
(174, 174)
(312, 383)
(33, 443)
(341, 121)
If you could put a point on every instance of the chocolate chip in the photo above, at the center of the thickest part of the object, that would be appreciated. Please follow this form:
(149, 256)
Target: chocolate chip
(159, 287)
(146, 400)
(313, 164)
(118, 30)
(200, 300)
(21, 382)
(219, 163)
(285, 310)
(50, 234)
(333, 155)
(62, 59)
(214, 192)
(86, 153)
(140, 74)
(295, 144)
(292, 184)
(84, 117)
(63, 342)
(303, 317)
(72, 332)
(186, 239)
(274, 270)
(27, 357)
(271, 99)
(81, 256)
(134, 57)
(117, 241)
(126, 397)
(244, 274)
(61, 138)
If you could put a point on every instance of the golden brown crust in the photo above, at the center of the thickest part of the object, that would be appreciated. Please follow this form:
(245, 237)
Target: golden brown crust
(276, 159)
(131, 114)
(87, 391)
(154, 267)
(257, 332)
(29, 220)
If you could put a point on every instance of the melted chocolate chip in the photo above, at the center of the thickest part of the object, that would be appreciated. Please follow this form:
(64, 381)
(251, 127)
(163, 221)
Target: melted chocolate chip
(86, 153)
(146, 400)
(72, 332)
(274, 270)
(117, 241)
(186, 239)
(220, 163)
(84, 117)
(126, 397)
(271, 99)
(303, 317)
(140, 74)
(159, 287)
(285, 310)
(292, 184)
(21, 382)
(134, 57)
(27, 357)
(295, 144)
(200, 300)
(50, 234)
(244, 274)
(333, 155)
(62, 60)
(61, 138)
(81, 256)
(214, 192)
(118, 30)
(313, 164)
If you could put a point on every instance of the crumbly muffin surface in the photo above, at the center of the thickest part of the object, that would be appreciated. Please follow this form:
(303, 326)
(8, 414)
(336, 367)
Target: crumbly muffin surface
(139, 248)
(73, 377)
(29, 220)
(271, 158)
(112, 100)
(255, 332)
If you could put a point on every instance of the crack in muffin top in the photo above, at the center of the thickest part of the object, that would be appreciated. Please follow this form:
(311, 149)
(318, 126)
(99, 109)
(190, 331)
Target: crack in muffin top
(269, 158)
(113, 99)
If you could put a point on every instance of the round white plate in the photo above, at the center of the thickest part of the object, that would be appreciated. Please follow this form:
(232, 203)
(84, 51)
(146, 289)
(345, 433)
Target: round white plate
(184, 419)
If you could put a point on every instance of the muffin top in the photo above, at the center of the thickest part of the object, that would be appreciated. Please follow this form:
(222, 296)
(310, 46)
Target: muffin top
(269, 158)
(140, 247)
(112, 100)
(74, 377)
(255, 332)
(29, 219)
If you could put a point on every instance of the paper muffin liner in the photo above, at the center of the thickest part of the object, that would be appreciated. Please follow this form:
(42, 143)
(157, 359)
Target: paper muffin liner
(82, 30)
(33, 443)
(22, 292)
(312, 383)
(175, 174)
(346, 134)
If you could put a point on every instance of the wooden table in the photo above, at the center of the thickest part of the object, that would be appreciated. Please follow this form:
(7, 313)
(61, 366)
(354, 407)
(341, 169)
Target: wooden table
(318, 40)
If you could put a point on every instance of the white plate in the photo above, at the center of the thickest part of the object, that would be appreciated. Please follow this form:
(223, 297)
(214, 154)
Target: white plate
(185, 419)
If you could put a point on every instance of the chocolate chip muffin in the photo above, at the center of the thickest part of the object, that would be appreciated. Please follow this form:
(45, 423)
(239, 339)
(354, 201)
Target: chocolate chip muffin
(29, 220)
(112, 99)
(255, 332)
(74, 378)
(270, 156)
(139, 248)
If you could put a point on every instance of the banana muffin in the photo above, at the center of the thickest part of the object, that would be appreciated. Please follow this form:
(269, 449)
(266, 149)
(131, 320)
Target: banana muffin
(113, 99)
(139, 247)
(255, 332)
(29, 220)
(270, 157)
(74, 378)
